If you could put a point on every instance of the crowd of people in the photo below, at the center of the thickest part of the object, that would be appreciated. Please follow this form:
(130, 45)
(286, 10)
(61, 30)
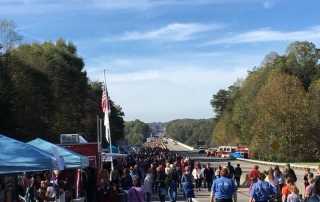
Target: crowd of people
(158, 171)
(278, 185)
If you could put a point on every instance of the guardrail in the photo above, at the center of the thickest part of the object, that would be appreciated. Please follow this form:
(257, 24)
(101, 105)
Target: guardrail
(184, 145)
(295, 166)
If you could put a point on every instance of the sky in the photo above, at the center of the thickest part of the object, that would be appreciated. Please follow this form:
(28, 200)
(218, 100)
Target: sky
(165, 59)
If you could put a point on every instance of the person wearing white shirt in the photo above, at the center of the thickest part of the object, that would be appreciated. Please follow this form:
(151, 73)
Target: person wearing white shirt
(202, 174)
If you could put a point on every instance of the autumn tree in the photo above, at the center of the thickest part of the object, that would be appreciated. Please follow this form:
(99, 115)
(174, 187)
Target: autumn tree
(283, 103)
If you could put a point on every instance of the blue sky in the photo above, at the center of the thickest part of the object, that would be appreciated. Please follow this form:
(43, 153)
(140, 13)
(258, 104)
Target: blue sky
(164, 59)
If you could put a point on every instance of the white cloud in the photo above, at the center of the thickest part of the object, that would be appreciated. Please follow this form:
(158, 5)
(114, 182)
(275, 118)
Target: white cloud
(170, 94)
(171, 32)
(167, 88)
(266, 34)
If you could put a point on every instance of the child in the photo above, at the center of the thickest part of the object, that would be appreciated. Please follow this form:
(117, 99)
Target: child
(294, 196)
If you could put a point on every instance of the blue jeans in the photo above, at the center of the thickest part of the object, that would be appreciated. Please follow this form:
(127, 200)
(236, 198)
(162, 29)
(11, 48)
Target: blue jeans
(125, 197)
(172, 191)
(148, 197)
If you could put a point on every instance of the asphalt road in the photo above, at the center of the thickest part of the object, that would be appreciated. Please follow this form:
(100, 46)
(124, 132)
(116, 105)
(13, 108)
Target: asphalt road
(203, 196)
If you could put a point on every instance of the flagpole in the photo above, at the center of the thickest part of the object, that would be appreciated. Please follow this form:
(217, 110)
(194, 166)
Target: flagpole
(108, 134)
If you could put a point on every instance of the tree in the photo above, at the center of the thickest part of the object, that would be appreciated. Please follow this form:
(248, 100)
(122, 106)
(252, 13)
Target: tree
(302, 57)
(136, 131)
(219, 101)
(284, 101)
(8, 36)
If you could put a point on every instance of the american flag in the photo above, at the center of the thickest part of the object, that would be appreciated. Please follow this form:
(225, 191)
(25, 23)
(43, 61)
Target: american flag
(105, 103)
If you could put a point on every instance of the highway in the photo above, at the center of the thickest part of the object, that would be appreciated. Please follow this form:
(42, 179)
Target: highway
(203, 196)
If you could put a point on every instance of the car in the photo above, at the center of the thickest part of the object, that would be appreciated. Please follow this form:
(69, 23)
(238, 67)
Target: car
(226, 156)
(202, 150)
(237, 155)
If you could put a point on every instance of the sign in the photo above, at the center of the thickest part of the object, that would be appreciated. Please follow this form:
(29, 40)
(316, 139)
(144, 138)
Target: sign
(56, 155)
(275, 145)
(200, 142)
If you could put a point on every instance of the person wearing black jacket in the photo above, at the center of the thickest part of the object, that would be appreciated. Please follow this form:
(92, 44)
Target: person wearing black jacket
(173, 178)
(291, 172)
(231, 170)
(208, 175)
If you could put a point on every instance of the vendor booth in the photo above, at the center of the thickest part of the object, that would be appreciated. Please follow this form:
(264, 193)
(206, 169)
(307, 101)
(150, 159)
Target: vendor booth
(73, 163)
(72, 159)
(18, 157)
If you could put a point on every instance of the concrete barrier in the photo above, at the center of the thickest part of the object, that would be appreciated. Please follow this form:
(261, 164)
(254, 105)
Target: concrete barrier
(184, 145)
(292, 165)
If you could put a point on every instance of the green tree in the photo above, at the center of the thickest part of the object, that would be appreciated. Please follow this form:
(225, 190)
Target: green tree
(219, 101)
(302, 58)
(136, 131)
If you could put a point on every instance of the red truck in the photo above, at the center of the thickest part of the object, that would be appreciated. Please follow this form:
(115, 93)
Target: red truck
(78, 144)
(227, 150)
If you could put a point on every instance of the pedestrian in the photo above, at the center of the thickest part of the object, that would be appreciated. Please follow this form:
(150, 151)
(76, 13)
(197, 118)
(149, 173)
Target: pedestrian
(173, 178)
(237, 174)
(208, 176)
(294, 196)
(104, 186)
(253, 174)
(306, 192)
(148, 184)
(315, 195)
(160, 184)
(261, 190)
(231, 170)
(178, 167)
(136, 193)
(217, 172)
(272, 180)
(187, 185)
(286, 190)
(197, 176)
(203, 167)
(126, 181)
(223, 188)
(308, 174)
(290, 172)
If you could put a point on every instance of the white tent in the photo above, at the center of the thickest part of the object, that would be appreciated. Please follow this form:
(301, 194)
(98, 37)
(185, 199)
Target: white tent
(107, 157)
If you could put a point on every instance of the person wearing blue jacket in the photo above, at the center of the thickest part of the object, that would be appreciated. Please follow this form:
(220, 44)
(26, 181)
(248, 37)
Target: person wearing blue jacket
(223, 189)
(261, 190)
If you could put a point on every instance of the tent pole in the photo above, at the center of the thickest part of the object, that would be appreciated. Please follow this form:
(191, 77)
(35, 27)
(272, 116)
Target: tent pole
(100, 160)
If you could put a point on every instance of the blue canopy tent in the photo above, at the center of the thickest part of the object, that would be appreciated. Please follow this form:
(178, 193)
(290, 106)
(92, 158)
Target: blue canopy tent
(16, 156)
(113, 149)
(72, 159)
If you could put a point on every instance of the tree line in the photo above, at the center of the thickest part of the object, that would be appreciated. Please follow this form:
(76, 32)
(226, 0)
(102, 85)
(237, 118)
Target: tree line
(190, 131)
(45, 91)
(277, 103)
